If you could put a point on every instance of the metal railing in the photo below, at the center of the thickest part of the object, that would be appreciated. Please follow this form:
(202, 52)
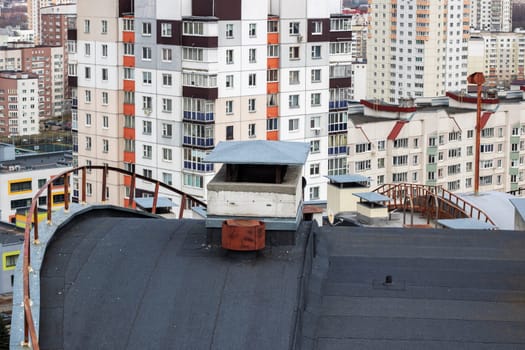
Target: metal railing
(449, 204)
(30, 332)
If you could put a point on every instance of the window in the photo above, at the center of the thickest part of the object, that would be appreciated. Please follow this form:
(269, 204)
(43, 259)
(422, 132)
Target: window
(88, 119)
(167, 130)
(146, 53)
(316, 51)
(229, 81)
(252, 55)
(87, 26)
(146, 127)
(193, 180)
(165, 30)
(167, 178)
(229, 56)
(146, 103)
(363, 165)
(337, 166)
(432, 142)
(251, 105)
(294, 77)
(272, 124)
(87, 72)
(146, 28)
(129, 25)
(272, 100)
(129, 97)
(252, 30)
(192, 54)
(381, 145)
(252, 79)
(363, 147)
(251, 130)
(314, 169)
(105, 146)
(167, 154)
(229, 30)
(486, 148)
(129, 49)
(293, 101)
(89, 189)
(166, 55)
(293, 124)
(88, 96)
(294, 52)
(147, 173)
(317, 27)
(380, 163)
(315, 99)
(166, 105)
(401, 143)
(105, 121)
(167, 79)
(273, 50)
(399, 177)
(315, 123)
(20, 186)
(314, 193)
(193, 28)
(147, 151)
(88, 143)
(294, 28)
(229, 132)
(273, 26)
(229, 107)
(104, 50)
(104, 25)
(316, 75)
(146, 78)
(10, 260)
(315, 146)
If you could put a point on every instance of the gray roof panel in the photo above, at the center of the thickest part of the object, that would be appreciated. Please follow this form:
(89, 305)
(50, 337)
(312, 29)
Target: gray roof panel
(348, 178)
(466, 224)
(372, 197)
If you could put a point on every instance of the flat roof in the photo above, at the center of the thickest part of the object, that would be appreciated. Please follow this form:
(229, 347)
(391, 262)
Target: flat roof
(372, 197)
(33, 161)
(466, 224)
(259, 152)
(519, 204)
(147, 202)
(348, 178)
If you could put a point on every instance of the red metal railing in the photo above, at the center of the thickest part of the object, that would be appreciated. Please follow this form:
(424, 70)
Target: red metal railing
(30, 332)
(449, 204)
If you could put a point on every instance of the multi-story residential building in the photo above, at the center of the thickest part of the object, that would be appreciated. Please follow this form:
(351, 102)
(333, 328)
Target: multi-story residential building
(518, 14)
(22, 175)
(33, 15)
(11, 241)
(491, 15)
(18, 104)
(417, 48)
(160, 87)
(500, 56)
(435, 145)
(48, 63)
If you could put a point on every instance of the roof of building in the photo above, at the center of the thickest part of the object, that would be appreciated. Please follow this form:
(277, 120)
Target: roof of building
(259, 152)
(348, 178)
(466, 224)
(519, 204)
(33, 161)
(10, 234)
(496, 205)
(372, 197)
(147, 202)
(153, 283)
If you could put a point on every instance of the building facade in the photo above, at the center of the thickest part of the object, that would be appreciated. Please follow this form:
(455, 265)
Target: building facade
(417, 48)
(492, 15)
(11, 242)
(18, 104)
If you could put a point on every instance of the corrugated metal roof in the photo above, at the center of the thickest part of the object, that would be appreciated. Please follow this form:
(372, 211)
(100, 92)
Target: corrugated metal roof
(259, 152)
(519, 204)
(147, 202)
(348, 178)
(466, 224)
(372, 197)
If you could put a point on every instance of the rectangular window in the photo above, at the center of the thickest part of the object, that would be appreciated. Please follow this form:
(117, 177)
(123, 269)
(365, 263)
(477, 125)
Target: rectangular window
(251, 105)
(104, 50)
(88, 119)
(273, 26)
(229, 107)
(167, 154)
(87, 26)
(146, 53)
(129, 25)
(147, 103)
(146, 127)
(87, 72)
(147, 151)
(229, 30)
(252, 79)
(88, 143)
(147, 173)
(105, 121)
(273, 50)
(251, 130)
(252, 55)
(146, 78)
(20, 186)
(294, 28)
(229, 132)
(315, 169)
(294, 52)
(317, 27)
(166, 55)
(293, 101)
(314, 193)
(192, 54)
(129, 49)
(272, 100)
(272, 124)
(105, 74)
(229, 81)
(146, 28)
(105, 146)
(252, 30)
(315, 99)
(229, 56)
(165, 30)
(166, 105)
(315, 146)
(104, 25)
(193, 28)
(316, 51)
(316, 75)
(293, 124)
(167, 178)
(294, 77)
(88, 96)
(167, 130)
(167, 79)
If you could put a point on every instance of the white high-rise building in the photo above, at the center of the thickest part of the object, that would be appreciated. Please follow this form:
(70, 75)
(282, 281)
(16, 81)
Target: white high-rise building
(491, 15)
(417, 48)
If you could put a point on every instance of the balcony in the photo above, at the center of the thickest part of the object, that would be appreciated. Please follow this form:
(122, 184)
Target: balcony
(337, 150)
(338, 104)
(198, 116)
(198, 166)
(198, 142)
(338, 127)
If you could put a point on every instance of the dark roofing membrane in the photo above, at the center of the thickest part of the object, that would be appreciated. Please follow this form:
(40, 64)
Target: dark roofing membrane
(135, 283)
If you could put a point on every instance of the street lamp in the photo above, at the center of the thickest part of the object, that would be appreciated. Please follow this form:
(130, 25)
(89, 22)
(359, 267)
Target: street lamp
(477, 79)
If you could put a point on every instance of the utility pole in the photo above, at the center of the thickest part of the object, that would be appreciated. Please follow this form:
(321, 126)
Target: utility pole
(477, 79)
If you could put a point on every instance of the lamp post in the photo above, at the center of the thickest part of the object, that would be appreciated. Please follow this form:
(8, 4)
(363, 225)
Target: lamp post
(477, 79)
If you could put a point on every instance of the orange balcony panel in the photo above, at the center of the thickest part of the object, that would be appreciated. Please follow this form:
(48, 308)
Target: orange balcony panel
(127, 180)
(129, 157)
(272, 112)
(273, 63)
(421, 37)
(129, 85)
(273, 38)
(272, 135)
(129, 109)
(129, 133)
(129, 61)
(272, 88)
(128, 37)
(125, 203)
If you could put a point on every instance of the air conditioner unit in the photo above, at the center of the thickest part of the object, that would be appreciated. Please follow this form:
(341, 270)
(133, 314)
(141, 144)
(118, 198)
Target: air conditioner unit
(317, 132)
(147, 111)
(299, 38)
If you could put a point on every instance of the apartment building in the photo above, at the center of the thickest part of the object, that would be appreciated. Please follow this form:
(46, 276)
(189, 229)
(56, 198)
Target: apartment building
(47, 62)
(434, 145)
(491, 15)
(34, 15)
(18, 104)
(22, 175)
(160, 87)
(417, 48)
(11, 242)
(500, 56)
